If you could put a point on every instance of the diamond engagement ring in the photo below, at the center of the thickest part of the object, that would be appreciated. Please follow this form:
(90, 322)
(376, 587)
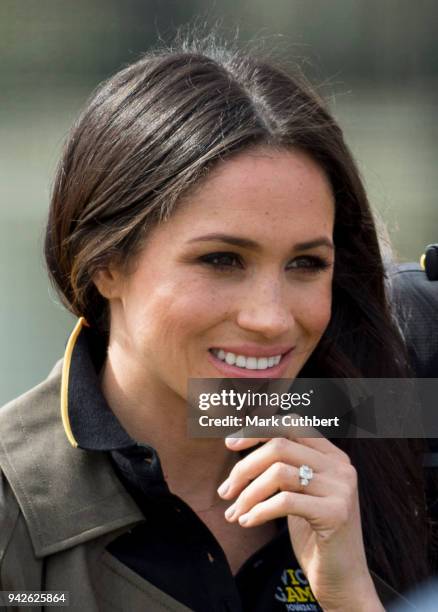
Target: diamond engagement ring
(306, 474)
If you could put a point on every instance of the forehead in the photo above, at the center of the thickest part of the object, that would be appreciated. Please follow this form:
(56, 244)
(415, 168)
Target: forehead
(263, 191)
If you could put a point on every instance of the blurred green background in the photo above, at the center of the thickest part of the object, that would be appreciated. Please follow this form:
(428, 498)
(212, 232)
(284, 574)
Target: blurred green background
(376, 60)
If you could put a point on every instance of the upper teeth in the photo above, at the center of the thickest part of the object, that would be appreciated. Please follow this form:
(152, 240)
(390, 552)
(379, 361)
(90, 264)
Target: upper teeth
(250, 363)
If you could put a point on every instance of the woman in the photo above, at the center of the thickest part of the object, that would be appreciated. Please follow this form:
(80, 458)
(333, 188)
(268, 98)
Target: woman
(207, 220)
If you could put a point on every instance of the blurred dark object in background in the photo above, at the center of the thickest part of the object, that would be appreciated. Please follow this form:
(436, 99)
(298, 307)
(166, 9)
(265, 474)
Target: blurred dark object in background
(415, 301)
(429, 262)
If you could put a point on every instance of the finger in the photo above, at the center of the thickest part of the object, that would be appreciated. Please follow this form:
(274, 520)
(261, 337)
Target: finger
(275, 450)
(243, 443)
(321, 512)
(324, 446)
(318, 443)
(282, 477)
(263, 433)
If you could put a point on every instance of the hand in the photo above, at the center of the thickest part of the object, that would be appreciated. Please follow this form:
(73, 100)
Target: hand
(323, 517)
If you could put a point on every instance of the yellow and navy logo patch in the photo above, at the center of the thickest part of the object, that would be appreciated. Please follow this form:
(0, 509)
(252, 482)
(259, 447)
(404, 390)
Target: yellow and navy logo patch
(295, 593)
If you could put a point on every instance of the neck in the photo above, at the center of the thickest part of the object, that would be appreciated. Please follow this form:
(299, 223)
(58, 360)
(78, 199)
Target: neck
(193, 468)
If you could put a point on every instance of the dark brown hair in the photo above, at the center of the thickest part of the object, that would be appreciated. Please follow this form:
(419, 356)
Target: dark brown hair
(154, 130)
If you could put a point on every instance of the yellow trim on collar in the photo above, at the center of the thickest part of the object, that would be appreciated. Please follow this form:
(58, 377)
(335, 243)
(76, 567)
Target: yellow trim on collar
(423, 261)
(65, 377)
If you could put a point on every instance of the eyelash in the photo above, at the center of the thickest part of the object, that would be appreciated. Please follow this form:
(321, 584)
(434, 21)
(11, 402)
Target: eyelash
(317, 263)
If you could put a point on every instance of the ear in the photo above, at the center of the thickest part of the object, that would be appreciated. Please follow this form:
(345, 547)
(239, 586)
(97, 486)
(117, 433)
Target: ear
(108, 282)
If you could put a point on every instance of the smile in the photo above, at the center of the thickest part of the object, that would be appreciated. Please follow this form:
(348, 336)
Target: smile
(247, 362)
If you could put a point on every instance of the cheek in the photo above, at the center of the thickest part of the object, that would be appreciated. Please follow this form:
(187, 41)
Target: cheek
(174, 313)
(315, 312)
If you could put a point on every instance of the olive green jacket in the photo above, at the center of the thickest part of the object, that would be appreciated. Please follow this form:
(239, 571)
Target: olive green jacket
(61, 506)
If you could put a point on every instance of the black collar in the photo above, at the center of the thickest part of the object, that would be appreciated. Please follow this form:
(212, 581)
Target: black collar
(88, 421)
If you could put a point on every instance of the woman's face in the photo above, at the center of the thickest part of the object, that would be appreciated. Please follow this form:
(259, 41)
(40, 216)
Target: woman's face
(237, 283)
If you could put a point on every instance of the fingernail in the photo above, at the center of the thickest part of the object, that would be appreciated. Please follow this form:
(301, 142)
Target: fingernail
(223, 489)
(229, 513)
(243, 519)
(232, 441)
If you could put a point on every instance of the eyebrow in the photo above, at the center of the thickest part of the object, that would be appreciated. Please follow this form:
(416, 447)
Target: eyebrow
(251, 244)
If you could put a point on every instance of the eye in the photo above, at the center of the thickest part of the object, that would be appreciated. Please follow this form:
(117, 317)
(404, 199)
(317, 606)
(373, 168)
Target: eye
(222, 260)
(309, 264)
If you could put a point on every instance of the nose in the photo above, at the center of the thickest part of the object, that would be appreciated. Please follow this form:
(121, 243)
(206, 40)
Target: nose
(266, 311)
